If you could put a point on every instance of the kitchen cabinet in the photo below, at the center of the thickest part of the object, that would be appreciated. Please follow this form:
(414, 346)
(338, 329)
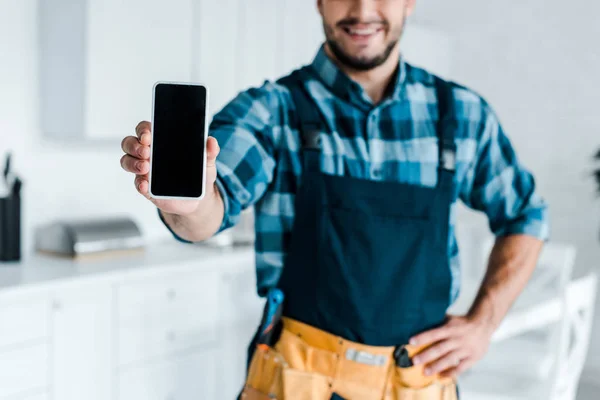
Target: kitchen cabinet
(23, 321)
(189, 376)
(23, 346)
(100, 59)
(23, 369)
(241, 311)
(170, 323)
(81, 343)
(158, 317)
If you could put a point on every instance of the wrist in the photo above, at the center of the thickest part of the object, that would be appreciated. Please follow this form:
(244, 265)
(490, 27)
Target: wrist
(206, 205)
(198, 222)
(483, 318)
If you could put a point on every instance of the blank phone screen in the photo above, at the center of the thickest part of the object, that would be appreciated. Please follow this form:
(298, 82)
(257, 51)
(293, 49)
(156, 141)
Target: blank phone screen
(178, 140)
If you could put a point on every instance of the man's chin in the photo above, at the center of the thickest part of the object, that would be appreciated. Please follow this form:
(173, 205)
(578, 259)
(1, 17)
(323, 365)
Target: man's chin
(363, 63)
(361, 60)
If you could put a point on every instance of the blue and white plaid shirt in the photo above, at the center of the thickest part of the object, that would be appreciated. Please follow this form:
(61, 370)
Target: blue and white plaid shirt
(395, 140)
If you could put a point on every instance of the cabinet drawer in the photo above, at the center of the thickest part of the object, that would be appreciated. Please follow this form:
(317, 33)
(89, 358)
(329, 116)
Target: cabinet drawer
(239, 301)
(23, 369)
(145, 339)
(188, 377)
(22, 322)
(183, 294)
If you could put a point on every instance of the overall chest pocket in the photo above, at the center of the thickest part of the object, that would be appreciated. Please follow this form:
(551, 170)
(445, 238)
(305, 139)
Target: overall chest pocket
(373, 248)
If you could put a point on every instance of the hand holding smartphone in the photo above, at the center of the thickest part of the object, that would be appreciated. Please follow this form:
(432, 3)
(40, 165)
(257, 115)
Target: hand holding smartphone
(183, 158)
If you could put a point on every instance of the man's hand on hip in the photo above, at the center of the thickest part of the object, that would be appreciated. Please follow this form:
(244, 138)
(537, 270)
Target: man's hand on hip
(454, 347)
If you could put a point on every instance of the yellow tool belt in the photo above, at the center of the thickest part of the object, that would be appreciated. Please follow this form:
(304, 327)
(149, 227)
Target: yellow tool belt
(308, 363)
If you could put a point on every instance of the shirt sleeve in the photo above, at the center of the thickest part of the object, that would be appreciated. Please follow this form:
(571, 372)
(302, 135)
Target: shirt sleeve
(497, 184)
(246, 161)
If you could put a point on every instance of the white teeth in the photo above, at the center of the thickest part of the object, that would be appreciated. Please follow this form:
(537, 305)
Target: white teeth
(362, 32)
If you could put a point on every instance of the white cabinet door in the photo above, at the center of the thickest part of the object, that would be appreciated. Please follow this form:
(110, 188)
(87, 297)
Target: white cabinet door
(166, 314)
(216, 57)
(100, 59)
(82, 350)
(239, 301)
(23, 321)
(188, 377)
(240, 309)
(258, 42)
(23, 369)
(131, 45)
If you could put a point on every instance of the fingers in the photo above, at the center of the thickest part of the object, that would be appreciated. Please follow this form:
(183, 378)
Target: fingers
(454, 372)
(135, 165)
(132, 146)
(142, 130)
(436, 351)
(142, 185)
(448, 361)
(212, 151)
(432, 336)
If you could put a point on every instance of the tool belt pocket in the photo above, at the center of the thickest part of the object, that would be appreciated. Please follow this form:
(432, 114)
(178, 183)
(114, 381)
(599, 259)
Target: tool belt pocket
(437, 391)
(302, 385)
(403, 389)
(265, 375)
(271, 377)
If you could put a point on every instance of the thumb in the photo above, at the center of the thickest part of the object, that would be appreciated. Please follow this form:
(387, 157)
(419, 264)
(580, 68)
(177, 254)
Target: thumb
(212, 151)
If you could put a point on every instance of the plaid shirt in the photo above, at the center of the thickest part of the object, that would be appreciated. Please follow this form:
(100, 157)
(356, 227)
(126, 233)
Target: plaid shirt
(260, 162)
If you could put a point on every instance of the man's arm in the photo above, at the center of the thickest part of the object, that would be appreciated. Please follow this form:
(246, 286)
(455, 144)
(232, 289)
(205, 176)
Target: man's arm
(510, 266)
(505, 191)
(202, 223)
(243, 169)
(463, 340)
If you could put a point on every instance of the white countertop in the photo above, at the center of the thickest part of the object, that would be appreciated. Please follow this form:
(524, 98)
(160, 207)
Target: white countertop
(39, 270)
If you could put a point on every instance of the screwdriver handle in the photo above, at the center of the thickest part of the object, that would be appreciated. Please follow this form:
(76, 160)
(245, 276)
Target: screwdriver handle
(271, 314)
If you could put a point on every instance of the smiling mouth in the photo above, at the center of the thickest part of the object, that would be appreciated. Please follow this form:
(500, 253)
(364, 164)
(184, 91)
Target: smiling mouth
(362, 33)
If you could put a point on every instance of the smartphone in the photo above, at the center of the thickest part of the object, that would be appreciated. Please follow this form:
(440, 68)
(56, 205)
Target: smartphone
(178, 147)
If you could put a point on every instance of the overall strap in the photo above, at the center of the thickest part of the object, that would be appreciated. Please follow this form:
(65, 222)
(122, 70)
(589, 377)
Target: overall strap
(446, 125)
(309, 118)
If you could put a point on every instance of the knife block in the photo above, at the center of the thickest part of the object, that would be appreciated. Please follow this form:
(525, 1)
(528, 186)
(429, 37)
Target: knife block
(10, 228)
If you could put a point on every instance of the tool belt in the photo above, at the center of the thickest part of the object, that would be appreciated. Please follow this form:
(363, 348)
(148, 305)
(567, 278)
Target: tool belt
(308, 363)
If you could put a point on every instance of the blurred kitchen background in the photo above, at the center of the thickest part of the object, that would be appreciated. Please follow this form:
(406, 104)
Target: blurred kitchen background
(172, 321)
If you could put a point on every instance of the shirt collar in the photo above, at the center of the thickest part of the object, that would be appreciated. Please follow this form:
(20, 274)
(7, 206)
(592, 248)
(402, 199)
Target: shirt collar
(342, 86)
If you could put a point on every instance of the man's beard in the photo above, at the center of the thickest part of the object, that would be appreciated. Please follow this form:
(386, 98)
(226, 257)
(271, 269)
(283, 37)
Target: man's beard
(360, 63)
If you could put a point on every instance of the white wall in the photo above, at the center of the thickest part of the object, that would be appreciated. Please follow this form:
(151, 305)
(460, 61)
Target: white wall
(537, 63)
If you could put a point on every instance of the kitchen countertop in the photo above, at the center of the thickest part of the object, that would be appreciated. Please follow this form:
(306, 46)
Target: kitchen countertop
(37, 271)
